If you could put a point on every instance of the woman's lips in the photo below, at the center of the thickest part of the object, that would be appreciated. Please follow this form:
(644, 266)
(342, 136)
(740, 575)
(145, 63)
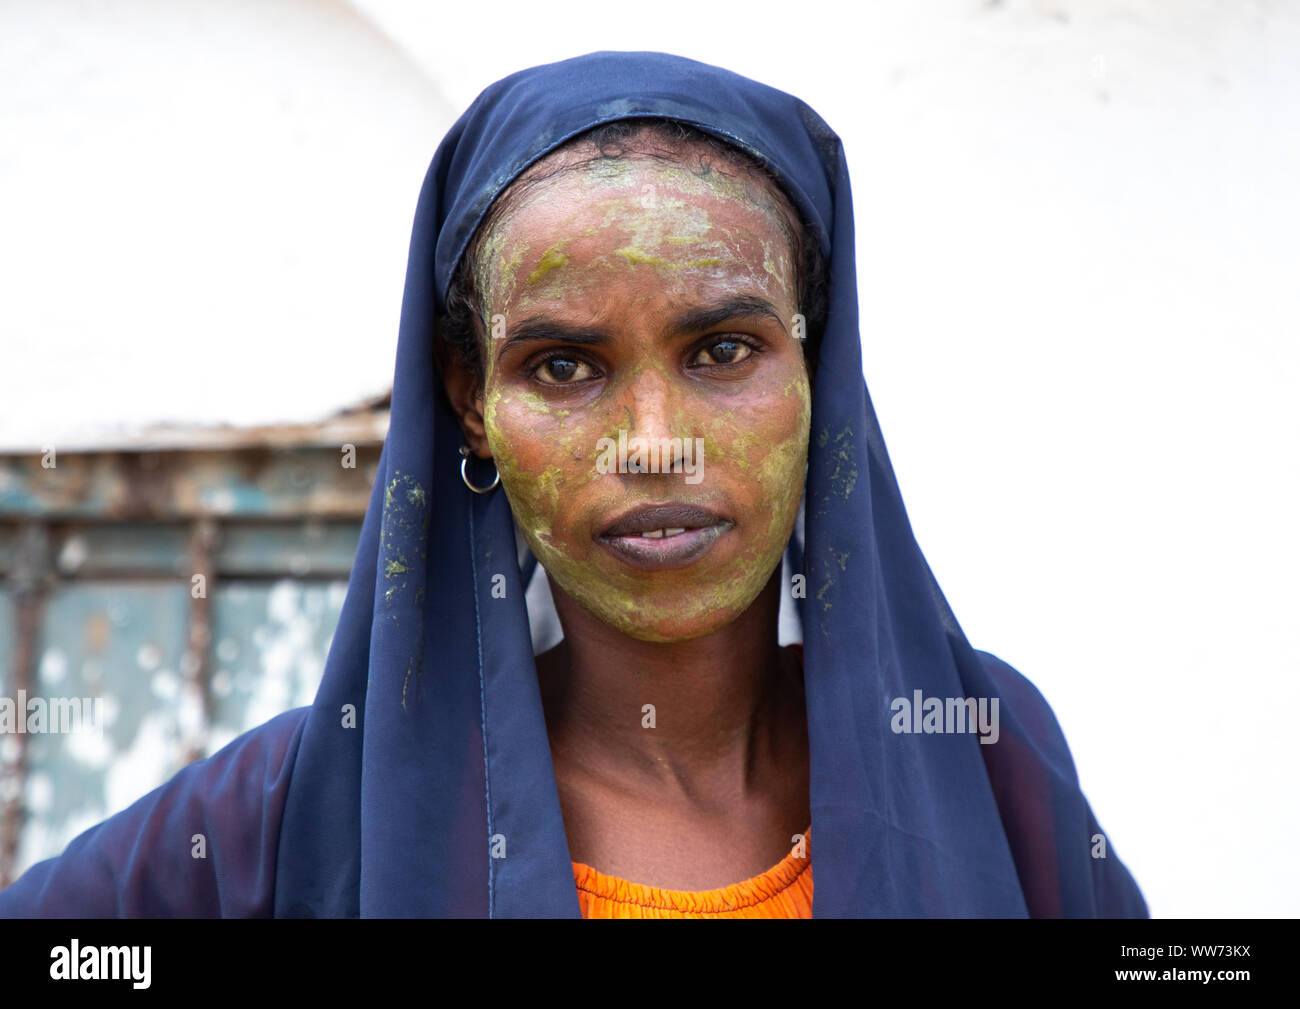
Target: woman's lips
(671, 548)
(663, 536)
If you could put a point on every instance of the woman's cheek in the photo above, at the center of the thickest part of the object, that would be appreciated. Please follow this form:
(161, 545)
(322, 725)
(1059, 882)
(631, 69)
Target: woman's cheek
(532, 489)
(539, 456)
(783, 467)
(779, 474)
(765, 446)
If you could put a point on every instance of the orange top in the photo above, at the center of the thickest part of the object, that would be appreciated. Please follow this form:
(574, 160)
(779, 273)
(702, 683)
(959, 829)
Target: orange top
(784, 891)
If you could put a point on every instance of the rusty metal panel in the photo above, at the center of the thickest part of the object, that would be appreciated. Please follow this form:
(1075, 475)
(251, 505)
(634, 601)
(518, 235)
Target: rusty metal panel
(282, 482)
(121, 642)
(189, 585)
(115, 549)
(11, 782)
(6, 631)
(270, 641)
(312, 548)
(125, 642)
(316, 548)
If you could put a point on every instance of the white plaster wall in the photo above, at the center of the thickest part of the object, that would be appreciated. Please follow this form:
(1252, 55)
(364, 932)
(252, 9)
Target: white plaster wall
(205, 208)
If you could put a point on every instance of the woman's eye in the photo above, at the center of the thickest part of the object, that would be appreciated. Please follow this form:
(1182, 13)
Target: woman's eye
(723, 352)
(562, 371)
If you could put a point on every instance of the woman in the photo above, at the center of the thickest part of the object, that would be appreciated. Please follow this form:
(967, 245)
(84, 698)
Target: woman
(651, 331)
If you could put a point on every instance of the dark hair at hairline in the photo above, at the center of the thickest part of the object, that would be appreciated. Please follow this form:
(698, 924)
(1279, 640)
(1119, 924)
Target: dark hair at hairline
(464, 325)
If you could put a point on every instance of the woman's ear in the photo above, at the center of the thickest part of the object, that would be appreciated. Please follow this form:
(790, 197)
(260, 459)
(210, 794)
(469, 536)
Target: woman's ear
(464, 390)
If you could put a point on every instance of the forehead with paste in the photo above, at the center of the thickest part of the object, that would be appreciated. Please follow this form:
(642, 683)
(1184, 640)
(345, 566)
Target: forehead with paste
(699, 228)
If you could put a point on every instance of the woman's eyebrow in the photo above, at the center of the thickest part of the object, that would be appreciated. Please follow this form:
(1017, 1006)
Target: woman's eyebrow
(744, 306)
(539, 328)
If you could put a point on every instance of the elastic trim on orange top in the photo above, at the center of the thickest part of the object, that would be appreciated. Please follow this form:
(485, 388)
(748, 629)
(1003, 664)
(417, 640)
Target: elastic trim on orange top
(724, 900)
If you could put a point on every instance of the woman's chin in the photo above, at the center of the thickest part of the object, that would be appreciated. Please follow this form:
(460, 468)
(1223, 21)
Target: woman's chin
(660, 606)
(673, 620)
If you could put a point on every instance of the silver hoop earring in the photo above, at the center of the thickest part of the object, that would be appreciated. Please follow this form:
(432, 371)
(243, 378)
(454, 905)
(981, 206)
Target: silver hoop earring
(464, 460)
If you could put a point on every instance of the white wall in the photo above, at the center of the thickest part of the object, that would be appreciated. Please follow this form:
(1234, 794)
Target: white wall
(206, 208)
(1077, 227)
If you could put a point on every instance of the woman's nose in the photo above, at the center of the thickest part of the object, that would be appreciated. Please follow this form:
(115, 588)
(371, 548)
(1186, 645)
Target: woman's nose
(653, 419)
(651, 405)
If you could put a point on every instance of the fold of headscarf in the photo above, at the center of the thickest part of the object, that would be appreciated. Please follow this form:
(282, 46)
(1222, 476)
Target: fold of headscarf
(438, 796)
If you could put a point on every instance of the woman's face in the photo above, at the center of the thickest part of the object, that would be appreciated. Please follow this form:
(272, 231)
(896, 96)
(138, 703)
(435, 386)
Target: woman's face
(641, 355)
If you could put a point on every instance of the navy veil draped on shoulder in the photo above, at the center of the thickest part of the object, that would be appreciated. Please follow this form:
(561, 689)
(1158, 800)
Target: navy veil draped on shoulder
(400, 810)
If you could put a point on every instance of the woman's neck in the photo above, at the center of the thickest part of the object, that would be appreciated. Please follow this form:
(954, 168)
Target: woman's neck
(700, 722)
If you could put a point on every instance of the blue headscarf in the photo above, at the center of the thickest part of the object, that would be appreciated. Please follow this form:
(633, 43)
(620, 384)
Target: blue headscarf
(420, 782)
